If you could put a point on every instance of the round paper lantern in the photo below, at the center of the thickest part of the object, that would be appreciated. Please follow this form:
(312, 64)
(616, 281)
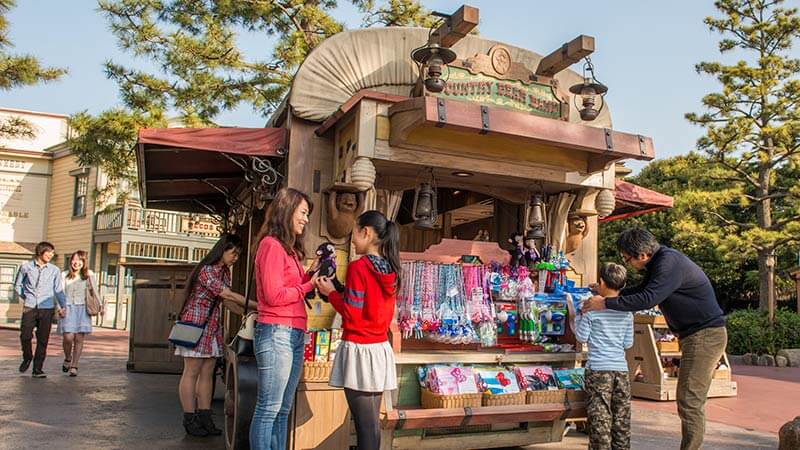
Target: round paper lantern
(362, 174)
(604, 203)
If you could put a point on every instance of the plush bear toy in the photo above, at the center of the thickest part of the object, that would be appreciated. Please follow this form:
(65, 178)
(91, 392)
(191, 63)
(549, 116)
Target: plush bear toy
(327, 268)
(517, 249)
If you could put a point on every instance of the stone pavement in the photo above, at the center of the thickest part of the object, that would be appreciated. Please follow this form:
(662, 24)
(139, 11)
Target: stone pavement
(106, 407)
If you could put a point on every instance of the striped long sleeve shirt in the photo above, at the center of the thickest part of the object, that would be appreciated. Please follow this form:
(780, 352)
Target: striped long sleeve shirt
(608, 334)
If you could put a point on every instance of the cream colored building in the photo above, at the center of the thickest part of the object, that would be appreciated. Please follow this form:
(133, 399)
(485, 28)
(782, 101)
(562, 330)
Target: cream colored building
(25, 169)
(46, 195)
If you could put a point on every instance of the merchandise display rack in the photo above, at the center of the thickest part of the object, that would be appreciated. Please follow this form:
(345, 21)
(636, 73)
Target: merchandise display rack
(649, 378)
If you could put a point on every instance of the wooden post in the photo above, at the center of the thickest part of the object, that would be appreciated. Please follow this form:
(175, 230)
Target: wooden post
(569, 53)
(457, 26)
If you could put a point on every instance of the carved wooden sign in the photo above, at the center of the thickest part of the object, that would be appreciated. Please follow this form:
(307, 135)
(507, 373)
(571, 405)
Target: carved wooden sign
(495, 80)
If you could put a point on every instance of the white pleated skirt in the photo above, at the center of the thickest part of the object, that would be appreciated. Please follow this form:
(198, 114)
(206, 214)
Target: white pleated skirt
(364, 367)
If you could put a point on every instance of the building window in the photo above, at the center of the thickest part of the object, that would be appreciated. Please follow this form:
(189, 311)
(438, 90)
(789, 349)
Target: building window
(7, 273)
(79, 200)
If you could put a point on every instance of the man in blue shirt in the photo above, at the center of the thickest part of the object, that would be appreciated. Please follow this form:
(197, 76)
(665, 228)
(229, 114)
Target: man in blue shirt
(39, 286)
(607, 384)
(683, 292)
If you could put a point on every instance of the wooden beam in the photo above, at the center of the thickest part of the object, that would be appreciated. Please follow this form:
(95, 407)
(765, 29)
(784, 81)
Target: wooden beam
(569, 53)
(457, 26)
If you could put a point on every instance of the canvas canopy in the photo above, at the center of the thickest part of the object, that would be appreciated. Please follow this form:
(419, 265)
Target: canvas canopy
(197, 169)
(379, 59)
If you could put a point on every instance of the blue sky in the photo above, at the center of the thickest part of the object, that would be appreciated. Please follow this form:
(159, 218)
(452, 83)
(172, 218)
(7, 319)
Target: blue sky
(645, 53)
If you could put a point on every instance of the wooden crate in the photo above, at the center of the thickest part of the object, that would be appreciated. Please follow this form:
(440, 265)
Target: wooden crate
(671, 347)
(650, 320)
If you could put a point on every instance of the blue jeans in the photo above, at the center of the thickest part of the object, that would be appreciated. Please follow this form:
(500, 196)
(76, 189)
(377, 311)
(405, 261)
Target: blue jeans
(279, 357)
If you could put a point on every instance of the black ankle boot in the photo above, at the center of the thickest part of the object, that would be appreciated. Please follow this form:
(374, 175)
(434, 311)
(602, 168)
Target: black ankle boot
(192, 424)
(204, 417)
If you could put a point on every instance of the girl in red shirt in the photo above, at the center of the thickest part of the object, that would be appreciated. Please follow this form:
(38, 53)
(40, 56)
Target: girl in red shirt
(364, 364)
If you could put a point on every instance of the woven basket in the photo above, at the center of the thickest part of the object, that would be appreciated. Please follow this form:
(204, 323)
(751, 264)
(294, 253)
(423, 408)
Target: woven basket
(575, 396)
(430, 400)
(316, 371)
(504, 399)
(539, 397)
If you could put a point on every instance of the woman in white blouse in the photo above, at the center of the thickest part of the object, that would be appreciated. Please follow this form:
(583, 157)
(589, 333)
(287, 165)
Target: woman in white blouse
(76, 323)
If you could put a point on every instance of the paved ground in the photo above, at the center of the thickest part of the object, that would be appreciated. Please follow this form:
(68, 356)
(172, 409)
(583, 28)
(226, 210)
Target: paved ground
(107, 407)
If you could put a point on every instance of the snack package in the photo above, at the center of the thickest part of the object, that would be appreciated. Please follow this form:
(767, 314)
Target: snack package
(496, 380)
(552, 314)
(570, 378)
(536, 378)
(310, 346)
(336, 339)
(323, 345)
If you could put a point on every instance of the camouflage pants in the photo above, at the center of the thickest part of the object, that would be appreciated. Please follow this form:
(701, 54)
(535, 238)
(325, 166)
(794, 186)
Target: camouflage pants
(608, 406)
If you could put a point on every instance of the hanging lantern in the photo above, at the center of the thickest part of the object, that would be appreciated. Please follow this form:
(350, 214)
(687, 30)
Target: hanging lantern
(425, 213)
(535, 233)
(433, 57)
(362, 173)
(536, 215)
(588, 91)
(605, 203)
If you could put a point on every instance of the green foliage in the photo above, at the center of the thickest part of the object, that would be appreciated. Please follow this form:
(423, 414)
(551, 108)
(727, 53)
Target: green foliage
(749, 332)
(752, 137)
(201, 69)
(17, 71)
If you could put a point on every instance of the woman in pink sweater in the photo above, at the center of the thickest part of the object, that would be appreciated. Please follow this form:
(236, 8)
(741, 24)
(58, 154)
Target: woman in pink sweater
(281, 286)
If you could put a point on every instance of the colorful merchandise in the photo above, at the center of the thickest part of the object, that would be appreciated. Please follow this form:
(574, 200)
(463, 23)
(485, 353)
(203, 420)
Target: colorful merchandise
(496, 380)
(536, 378)
(449, 380)
(570, 378)
(323, 345)
(309, 349)
(336, 339)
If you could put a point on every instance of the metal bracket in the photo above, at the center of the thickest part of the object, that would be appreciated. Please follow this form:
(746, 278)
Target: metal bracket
(484, 120)
(441, 113)
(467, 416)
(609, 139)
(401, 420)
(642, 149)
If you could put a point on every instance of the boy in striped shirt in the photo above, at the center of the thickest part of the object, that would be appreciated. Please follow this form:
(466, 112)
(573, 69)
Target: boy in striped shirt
(607, 385)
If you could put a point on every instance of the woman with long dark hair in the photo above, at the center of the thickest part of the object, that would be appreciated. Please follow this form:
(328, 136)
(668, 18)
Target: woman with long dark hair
(281, 286)
(76, 323)
(365, 364)
(208, 286)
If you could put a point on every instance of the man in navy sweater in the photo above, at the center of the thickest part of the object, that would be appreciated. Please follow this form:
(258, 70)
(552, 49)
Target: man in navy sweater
(684, 294)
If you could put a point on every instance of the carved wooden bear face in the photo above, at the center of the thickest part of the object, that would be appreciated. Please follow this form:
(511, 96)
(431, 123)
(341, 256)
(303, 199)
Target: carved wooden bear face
(346, 202)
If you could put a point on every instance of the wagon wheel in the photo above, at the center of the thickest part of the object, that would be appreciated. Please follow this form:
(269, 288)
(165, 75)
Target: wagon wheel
(240, 395)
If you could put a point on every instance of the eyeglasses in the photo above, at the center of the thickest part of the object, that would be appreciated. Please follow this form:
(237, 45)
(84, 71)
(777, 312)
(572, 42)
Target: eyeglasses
(626, 259)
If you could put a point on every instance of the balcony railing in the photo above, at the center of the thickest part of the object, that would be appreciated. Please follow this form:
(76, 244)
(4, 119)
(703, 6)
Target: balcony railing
(135, 218)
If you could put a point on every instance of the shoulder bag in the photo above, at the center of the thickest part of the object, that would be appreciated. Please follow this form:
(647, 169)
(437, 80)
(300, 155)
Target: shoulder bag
(93, 304)
(187, 334)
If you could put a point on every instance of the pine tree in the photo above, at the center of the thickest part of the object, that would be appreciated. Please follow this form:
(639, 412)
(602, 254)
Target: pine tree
(753, 134)
(201, 69)
(17, 71)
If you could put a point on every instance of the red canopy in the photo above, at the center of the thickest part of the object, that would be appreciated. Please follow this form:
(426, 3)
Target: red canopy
(241, 141)
(633, 200)
(196, 169)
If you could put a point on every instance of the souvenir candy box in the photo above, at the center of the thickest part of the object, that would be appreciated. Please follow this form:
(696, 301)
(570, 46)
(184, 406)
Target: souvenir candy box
(444, 386)
(499, 386)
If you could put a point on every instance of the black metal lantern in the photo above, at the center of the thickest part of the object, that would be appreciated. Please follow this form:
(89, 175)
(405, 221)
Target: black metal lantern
(589, 90)
(536, 219)
(425, 212)
(433, 57)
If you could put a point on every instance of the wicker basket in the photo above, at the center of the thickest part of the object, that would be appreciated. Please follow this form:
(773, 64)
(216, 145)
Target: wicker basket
(668, 346)
(550, 396)
(576, 396)
(722, 374)
(316, 371)
(430, 400)
(504, 399)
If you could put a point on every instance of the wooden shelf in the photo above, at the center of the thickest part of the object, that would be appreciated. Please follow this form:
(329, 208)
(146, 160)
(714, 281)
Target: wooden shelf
(671, 354)
(458, 417)
(488, 357)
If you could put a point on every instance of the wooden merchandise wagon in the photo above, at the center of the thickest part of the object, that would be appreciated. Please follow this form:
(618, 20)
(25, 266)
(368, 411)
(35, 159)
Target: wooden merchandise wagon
(364, 127)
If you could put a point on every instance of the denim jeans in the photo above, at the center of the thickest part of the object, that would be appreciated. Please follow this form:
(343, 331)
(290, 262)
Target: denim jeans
(279, 357)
